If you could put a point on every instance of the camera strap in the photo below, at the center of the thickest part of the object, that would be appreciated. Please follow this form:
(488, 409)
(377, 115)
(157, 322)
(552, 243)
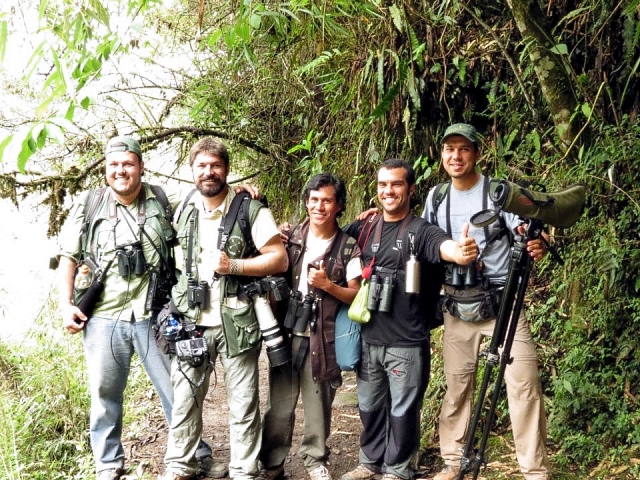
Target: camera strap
(192, 229)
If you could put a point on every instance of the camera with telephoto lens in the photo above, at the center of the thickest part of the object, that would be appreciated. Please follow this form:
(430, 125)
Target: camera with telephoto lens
(130, 259)
(380, 296)
(278, 351)
(301, 313)
(463, 275)
(197, 294)
(193, 349)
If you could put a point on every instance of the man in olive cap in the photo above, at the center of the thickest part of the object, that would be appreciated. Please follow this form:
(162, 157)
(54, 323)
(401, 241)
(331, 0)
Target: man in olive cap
(464, 330)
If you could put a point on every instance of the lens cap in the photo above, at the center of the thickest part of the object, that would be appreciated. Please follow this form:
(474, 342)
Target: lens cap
(484, 218)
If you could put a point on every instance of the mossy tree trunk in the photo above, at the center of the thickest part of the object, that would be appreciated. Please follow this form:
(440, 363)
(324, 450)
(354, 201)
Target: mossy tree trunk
(549, 67)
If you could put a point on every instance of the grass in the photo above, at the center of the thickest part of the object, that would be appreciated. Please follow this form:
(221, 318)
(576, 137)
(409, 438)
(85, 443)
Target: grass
(44, 406)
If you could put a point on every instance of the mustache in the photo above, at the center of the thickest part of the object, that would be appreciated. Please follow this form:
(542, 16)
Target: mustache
(213, 176)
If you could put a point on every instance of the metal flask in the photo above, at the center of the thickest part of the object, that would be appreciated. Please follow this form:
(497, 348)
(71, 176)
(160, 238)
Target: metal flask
(412, 275)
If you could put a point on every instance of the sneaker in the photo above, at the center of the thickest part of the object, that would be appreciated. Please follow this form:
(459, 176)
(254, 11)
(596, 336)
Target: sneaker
(359, 473)
(213, 468)
(320, 473)
(169, 475)
(276, 473)
(109, 474)
(449, 472)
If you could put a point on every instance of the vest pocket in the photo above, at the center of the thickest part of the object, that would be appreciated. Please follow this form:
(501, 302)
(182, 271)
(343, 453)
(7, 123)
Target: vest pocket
(241, 328)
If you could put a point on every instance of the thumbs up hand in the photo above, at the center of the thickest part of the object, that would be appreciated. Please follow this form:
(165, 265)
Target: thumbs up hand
(317, 277)
(467, 250)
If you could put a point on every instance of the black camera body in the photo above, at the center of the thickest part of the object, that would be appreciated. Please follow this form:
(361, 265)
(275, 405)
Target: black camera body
(130, 259)
(277, 285)
(193, 349)
(197, 294)
(160, 284)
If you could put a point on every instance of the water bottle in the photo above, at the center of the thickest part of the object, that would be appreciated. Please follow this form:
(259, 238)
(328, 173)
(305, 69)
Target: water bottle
(412, 268)
(172, 328)
(84, 277)
(412, 275)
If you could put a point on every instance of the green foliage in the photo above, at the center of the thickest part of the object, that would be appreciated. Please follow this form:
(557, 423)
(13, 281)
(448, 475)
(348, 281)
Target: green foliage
(593, 318)
(45, 421)
(78, 39)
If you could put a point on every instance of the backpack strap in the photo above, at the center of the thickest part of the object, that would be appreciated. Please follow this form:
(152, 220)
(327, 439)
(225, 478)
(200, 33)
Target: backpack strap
(183, 204)
(439, 193)
(93, 201)
(238, 212)
(370, 222)
(336, 248)
(161, 196)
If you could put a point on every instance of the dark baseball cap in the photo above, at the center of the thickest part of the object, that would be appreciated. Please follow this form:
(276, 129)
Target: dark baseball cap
(123, 144)
(464, 129)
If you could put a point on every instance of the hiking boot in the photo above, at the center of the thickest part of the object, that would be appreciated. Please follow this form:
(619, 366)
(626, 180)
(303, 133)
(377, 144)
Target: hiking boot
(449, 472)
(109, 474)
(276, 473)
(391, 476)
(213, 468)
(359, 473)
(320, 473)
(169, 475)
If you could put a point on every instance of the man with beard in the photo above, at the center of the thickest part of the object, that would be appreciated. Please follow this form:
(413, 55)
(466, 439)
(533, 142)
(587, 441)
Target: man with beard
(220, 319)
(123, 232)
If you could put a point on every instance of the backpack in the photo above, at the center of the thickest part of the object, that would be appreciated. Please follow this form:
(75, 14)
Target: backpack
(95, 196)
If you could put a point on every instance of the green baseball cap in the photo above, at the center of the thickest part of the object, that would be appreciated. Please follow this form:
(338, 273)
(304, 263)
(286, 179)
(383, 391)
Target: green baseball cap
(123, 144)
(464, 129)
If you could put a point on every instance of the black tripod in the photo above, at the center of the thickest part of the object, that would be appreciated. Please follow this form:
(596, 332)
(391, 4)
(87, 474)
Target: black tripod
(520, 266)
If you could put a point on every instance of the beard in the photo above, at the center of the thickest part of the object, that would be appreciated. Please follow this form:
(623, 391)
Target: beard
(212, 189)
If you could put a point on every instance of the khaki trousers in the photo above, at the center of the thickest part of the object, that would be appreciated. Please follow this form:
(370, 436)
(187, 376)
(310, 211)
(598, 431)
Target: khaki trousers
(190, 386)
(461, 344)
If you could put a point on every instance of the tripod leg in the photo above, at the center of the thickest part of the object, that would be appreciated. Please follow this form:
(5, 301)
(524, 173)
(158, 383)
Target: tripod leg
(515, 287)
(505, 359)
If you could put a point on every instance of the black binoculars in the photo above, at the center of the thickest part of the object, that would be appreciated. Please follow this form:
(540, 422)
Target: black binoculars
(464, 276)
(197, 294)
(301, 312)
(380, 294)
(130, 259)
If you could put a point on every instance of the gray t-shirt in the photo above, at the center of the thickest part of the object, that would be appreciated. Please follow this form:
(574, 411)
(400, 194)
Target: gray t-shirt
(464, 204)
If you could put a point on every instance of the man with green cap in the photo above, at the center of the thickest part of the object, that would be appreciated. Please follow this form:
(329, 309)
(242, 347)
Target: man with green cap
(117, 237)
(450, 207)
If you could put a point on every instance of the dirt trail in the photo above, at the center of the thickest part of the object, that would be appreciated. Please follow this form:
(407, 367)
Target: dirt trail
(147, 450)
